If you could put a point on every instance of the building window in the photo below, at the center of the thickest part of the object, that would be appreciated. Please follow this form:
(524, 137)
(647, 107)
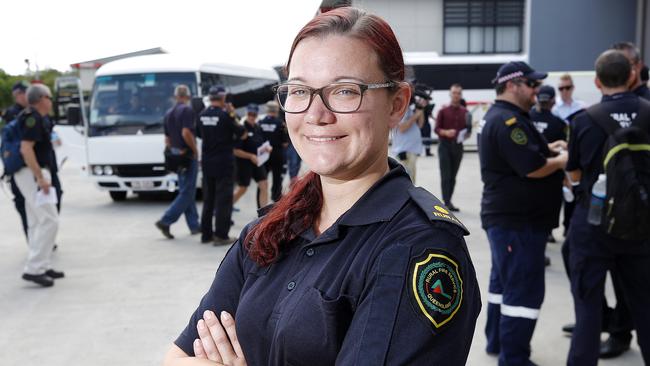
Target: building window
(483, 26)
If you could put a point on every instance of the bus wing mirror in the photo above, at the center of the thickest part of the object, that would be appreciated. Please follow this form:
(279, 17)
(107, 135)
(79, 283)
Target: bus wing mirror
(73, 115)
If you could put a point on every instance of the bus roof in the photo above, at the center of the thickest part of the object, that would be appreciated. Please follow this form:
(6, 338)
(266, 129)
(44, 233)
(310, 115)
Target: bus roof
(176, 63)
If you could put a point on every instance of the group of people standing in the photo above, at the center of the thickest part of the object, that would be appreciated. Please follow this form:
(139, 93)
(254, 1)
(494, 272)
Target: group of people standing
(230, 153)
(527, 164)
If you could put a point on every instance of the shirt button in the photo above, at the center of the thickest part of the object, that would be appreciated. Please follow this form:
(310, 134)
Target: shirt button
(310, 252)
(291, 285)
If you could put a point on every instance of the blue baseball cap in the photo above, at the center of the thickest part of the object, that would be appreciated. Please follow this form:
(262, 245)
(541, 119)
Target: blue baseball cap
(252, 108)
(217, 90)
(546, 93)
(517, 69)
(20, 85)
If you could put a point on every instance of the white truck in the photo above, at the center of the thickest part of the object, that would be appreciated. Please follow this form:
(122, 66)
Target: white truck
(120, 135)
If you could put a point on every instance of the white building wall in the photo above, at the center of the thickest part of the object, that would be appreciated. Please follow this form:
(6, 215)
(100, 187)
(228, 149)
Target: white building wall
(418, 24)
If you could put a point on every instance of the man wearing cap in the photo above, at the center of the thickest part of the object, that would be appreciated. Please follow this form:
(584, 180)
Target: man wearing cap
(218, 131)
(451, 120)
(517, 168)
(553, 129)
(20, 102)
(180, 140)
(275, 131)
(246, 153)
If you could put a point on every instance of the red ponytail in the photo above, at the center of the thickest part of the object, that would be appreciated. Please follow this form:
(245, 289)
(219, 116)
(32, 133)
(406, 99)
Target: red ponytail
(300, 208)
(293, 213)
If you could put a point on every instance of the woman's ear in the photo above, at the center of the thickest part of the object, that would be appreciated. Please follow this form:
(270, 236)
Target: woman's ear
(399, 103)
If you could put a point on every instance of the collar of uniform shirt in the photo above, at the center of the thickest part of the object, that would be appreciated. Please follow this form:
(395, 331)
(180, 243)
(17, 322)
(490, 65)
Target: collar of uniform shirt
(382, 201)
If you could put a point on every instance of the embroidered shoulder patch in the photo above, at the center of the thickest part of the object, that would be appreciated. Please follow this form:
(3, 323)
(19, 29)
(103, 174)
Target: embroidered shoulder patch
(519, 136)
(30, 122)
(436, 287)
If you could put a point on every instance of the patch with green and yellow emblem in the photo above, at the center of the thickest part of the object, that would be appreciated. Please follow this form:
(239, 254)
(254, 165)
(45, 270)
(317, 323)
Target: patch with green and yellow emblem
(30, 122)
(436, 287)
(518, 136)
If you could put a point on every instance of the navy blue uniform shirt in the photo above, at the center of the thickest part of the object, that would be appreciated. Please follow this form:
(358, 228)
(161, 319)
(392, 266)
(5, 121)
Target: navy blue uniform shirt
(255, 138)
(38, 129)
(390, 282)
(12, 112)
(179, 117)
(588, 139)
(274, 131)
(551, 126)
(509, 149)
(218, 132)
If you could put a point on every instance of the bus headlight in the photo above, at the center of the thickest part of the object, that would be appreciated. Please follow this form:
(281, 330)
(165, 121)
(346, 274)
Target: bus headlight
(108, 170)
(97, 170)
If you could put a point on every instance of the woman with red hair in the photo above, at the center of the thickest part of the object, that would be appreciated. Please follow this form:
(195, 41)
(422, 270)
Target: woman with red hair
(354, 265)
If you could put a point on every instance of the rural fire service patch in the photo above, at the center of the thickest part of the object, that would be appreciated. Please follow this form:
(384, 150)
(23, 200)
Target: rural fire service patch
(30, 122)
(436, 287)
(519, 136)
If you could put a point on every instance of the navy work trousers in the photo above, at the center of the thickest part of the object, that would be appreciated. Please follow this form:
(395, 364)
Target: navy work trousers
(516, 291)
(592, 254)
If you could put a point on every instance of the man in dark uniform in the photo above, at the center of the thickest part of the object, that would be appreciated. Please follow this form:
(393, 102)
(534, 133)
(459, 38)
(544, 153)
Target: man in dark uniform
(218, 131)
(553, 129)
(275, 132)
(618, 321)
(20, 102)
(35, 184)
(519, 170)
(246, 153)
(594, 252)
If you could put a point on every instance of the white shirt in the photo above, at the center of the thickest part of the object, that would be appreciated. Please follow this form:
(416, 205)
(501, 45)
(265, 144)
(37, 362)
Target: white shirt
(564, 110)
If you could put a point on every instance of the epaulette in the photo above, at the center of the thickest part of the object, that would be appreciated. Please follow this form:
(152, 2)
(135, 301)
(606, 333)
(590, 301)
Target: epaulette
(509, 119)
(434, 208)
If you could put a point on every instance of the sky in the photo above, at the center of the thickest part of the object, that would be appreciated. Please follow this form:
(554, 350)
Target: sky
(57, 33)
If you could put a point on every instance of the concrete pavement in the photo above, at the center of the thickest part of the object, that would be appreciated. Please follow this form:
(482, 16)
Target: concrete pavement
(128, 292)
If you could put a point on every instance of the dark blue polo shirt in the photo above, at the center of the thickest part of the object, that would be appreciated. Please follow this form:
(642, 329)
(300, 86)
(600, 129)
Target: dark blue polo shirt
(12, 112)
(38, 129)
(274, 131)
(218, 132)
(254, 139)
(179, 117)
(348, 296)
(588, 139)
(510, 148)
(549, 125)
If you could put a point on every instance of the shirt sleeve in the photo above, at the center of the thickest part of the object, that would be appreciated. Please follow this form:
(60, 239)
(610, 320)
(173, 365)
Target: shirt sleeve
(519, 149)
(223, 295)
(187, 119)
(573, 162)
(390, 308)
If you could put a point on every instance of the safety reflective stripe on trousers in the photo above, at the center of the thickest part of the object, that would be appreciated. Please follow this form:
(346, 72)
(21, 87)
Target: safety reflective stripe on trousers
(519, 312)
(494, 298)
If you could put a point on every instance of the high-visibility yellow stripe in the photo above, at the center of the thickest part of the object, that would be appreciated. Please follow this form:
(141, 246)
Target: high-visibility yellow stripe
(616, 149)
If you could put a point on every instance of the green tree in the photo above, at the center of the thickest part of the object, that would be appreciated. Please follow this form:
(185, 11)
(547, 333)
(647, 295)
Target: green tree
(47, 77)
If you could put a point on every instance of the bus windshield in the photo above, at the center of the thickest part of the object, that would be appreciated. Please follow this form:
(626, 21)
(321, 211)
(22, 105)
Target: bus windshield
(134, 100)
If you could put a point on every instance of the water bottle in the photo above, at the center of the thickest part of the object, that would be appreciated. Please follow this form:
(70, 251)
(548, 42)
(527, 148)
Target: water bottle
(597, 203)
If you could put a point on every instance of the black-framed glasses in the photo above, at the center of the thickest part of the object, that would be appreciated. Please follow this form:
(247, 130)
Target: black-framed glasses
(566, 87)
(340, 97)
(529, 83)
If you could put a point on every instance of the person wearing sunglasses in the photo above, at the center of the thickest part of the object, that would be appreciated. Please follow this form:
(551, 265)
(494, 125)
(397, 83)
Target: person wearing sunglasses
(566, 105)
(354, 265)
(518, 169)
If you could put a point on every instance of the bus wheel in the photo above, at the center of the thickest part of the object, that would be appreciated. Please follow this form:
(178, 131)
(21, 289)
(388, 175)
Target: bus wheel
(118, 195)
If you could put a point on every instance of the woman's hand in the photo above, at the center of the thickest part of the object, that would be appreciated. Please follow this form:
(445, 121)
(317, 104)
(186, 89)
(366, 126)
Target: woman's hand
(217, 344)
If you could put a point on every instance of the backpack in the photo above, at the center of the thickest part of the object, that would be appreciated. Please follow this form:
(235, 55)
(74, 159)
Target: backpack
(12, 159)
(626, 164)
